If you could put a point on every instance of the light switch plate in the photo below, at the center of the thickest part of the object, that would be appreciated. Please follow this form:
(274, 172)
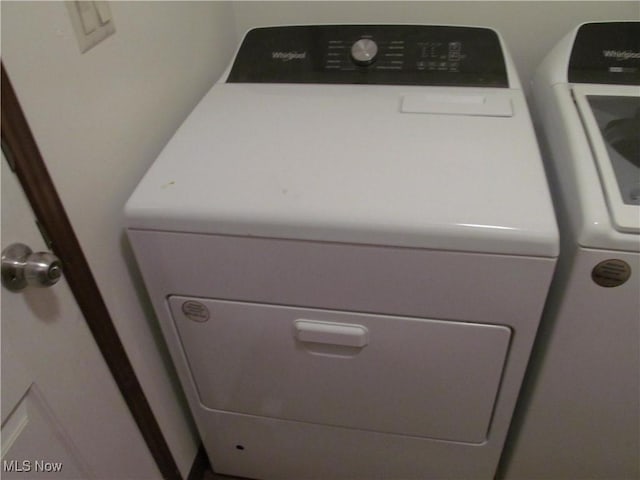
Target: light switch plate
(92, 21)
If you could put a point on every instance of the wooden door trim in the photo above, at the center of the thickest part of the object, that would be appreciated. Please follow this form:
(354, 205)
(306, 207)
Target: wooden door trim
(32, 173)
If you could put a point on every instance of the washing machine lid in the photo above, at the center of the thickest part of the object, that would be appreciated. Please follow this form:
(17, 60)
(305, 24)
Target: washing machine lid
(611, 118)
(435, 167)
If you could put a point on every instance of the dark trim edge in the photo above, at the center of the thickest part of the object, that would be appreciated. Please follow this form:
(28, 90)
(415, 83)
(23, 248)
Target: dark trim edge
(38, 186)
(200, 465)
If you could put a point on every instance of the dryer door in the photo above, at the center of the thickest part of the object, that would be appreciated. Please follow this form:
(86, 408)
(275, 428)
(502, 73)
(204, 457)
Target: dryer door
(410, 376)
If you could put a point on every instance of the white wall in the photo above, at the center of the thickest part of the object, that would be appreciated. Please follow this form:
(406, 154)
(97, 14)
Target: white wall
(100, 119)
(529, 29)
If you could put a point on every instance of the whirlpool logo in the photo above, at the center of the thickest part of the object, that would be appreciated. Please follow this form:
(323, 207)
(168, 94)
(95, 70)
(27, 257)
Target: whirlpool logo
(288, 56)
(621, 54)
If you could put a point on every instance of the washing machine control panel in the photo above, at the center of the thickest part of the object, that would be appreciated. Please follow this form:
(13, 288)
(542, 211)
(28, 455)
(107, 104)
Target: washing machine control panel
(371, 54)
(606, 52)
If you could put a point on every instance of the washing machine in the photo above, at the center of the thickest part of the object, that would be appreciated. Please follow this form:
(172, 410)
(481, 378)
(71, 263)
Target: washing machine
(580, 414)
(348, 245)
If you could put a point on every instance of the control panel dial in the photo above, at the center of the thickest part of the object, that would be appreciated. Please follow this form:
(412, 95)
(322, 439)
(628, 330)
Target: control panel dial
(364, 51)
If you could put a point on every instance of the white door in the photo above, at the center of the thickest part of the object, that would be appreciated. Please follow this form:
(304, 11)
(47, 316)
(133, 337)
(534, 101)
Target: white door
(62, 413)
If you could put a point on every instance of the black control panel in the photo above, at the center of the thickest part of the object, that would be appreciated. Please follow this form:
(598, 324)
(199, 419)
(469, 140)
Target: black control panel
(371, 54)
(606, 53)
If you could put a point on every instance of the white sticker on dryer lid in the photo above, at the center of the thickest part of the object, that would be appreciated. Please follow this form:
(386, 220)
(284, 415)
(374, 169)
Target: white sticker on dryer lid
(458, 104)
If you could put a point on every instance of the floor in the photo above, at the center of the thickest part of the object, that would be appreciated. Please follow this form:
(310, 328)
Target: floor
(209, 475)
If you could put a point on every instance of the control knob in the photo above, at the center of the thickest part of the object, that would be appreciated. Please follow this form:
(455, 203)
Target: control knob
(364, 52)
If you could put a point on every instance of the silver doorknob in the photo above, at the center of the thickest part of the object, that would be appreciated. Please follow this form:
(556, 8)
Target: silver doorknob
(22, 267)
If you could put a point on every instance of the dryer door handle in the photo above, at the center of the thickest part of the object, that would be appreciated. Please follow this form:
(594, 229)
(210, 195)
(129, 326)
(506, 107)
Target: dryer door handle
(343, 334)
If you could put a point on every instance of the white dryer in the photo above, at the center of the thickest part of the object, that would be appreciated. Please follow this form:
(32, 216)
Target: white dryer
(580, 411)
(348, 245)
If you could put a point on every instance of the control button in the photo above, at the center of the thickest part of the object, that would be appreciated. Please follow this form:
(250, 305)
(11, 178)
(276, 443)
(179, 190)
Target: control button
(364, 51)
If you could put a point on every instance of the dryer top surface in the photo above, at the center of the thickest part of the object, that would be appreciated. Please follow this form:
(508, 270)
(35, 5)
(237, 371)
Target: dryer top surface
(426, 167)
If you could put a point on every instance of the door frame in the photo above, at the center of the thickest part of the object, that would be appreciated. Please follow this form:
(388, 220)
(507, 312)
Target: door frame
(24, 157)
